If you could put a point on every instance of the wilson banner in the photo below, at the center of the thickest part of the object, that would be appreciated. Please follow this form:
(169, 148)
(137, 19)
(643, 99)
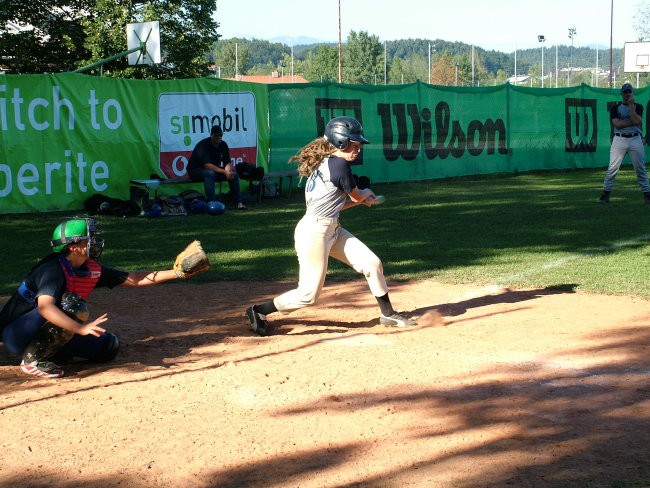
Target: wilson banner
(421, 131)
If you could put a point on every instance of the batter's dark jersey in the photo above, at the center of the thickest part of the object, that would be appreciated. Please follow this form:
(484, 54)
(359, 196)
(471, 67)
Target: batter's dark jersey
(328, 187)
(205, 152)
(48, 278)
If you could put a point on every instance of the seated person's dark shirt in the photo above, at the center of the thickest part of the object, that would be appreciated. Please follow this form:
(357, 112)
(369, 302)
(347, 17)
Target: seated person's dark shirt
(204, 152)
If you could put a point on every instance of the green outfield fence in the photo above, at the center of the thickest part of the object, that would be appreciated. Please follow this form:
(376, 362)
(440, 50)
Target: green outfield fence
(67, 136)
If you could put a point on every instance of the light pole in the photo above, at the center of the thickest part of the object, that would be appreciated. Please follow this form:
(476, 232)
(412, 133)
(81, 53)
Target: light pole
(611, 36)
(429, 63)
(385, 64)
(541, 39)
(557, 70)
(456, 75)
(572, 33)
(340, 63)
(434, 50)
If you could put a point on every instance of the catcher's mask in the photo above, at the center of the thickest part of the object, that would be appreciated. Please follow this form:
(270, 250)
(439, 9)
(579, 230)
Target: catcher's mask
(341, 130)
(77, 229)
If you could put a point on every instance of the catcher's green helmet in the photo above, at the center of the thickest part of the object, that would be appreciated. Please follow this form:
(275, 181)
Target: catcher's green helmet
(78, 229)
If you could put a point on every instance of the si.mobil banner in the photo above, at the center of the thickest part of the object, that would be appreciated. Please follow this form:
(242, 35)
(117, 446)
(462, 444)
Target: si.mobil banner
(66, 137)
(186, 118)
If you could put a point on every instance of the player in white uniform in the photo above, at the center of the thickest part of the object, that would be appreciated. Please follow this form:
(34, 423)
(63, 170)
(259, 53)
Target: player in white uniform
(330, 188)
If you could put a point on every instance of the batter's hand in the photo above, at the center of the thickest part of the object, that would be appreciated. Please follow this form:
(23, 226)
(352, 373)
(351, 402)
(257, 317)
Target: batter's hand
(371, 200)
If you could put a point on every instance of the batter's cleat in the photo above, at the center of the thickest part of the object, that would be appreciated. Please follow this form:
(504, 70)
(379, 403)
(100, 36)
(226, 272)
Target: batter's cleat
(44, 369)
(258, 323)
(397, 320)
(646, 196)
(604, 198)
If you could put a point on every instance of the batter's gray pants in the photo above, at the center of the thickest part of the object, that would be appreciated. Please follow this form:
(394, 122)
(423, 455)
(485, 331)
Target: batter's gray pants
(316, 239)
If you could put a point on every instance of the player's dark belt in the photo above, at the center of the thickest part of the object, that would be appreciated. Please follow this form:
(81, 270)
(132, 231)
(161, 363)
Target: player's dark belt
(627, 136)
(26, 293)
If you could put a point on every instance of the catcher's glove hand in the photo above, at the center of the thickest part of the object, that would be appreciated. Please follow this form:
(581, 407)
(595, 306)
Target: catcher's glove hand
(192, 260)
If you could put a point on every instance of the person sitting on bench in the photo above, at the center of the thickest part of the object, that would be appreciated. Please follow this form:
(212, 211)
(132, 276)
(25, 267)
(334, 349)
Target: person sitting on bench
(210, 162)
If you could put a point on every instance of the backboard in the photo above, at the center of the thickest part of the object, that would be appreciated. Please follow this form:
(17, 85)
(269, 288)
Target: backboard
(637, 57)
(149, 33)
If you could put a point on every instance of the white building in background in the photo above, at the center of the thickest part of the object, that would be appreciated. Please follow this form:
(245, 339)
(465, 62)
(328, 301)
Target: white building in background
(519, 79)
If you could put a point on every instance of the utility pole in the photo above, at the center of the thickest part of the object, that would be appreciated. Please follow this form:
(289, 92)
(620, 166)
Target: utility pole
(541, 39)
(340, 65)
(572, 33)
(429, 63)
(611, 36)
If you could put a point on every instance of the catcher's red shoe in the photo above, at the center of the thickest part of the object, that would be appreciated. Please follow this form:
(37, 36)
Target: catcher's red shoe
(44, 369)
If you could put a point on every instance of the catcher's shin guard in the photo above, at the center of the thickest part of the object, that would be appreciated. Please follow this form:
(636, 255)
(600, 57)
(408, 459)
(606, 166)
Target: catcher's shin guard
(48, 341)
(111, 348)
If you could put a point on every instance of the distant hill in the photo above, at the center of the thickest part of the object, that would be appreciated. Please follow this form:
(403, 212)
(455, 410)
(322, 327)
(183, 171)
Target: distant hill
(298, 41)
(268, 55)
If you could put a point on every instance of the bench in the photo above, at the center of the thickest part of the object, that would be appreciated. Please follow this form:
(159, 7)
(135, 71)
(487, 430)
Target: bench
(280, 175)
(153, 184)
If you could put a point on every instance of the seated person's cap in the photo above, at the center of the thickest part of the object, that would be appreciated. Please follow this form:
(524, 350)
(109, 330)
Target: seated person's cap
(626, 86)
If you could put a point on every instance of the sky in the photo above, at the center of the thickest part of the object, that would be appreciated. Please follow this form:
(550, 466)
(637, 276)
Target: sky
(501, 25)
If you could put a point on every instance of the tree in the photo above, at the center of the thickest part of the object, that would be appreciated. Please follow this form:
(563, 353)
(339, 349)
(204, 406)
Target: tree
(60, 35)
(502, 77)
(415, 68)
(641, 21)
(42, 36)
(443, 70)
(396, 71)
(233, 57)
(322, 64)
(363, 59)
(187, 31)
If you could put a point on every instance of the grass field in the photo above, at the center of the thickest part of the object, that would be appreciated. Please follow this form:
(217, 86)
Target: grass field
(529, 386)
(529, 230)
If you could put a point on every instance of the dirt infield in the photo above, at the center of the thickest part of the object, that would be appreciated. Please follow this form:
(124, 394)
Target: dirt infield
(520, 388)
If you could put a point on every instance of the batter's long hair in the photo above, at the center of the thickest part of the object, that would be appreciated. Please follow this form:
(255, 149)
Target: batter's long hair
(311, 155)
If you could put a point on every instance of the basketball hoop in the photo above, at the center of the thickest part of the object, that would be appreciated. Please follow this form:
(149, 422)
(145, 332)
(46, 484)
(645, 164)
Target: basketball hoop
(637, 57)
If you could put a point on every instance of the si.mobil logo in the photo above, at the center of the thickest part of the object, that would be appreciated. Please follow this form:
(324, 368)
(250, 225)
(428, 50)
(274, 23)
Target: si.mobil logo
(186, 118)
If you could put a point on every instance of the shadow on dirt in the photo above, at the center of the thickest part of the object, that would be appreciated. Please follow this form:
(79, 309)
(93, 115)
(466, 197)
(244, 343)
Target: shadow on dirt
(505, 296)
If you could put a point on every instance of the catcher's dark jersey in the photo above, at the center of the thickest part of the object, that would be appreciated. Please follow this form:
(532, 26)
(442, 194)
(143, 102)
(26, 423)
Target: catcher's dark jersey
(205, 152)
(48, 278)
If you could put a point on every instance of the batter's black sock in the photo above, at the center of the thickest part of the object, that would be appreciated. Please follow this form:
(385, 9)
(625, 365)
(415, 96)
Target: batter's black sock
(385, 306)
(265, 308)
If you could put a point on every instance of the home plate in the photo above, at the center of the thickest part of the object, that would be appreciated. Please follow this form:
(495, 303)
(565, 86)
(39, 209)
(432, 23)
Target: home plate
(360, 340)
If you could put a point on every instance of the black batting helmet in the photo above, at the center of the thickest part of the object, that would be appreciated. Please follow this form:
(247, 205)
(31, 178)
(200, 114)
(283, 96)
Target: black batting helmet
(341, 130)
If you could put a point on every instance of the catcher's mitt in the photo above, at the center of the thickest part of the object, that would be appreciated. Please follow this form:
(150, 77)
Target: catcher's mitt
(192, 260)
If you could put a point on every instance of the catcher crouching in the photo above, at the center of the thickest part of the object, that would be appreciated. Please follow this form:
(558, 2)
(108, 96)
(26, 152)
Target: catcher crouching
(46, 320)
